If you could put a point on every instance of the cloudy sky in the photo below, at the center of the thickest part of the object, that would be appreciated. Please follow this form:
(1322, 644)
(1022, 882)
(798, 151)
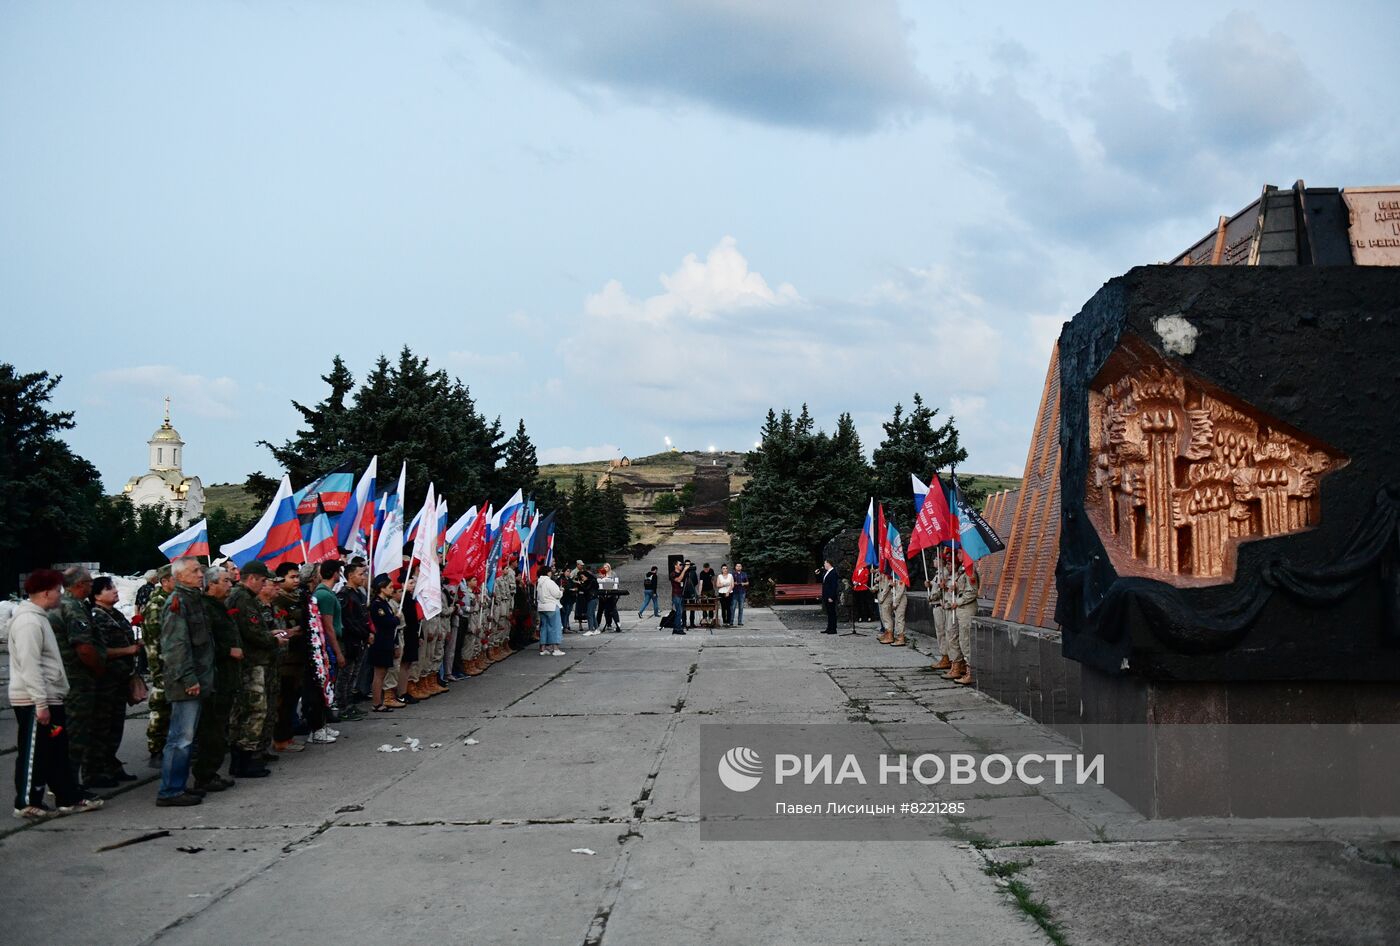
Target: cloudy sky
(629, 220)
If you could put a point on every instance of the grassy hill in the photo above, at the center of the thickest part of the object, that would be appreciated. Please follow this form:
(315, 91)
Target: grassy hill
(991, 484)
(231, 496)
(668, 466)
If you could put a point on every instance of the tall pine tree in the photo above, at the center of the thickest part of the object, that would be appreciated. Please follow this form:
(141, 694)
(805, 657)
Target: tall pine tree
(521, 469)
(912, 444)
(48, 494)
(404, 411)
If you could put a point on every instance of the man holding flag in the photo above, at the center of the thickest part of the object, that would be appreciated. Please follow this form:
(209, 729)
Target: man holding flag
(974, 539)
(934, 525)
(892, 583)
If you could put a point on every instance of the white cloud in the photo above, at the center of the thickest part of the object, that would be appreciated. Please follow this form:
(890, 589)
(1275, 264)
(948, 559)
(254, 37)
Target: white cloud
(213, 398)
(578, 454)
(722, 284)
(719, 345)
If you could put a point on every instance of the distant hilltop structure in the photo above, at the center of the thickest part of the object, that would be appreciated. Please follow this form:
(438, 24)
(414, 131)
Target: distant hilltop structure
(165, 482)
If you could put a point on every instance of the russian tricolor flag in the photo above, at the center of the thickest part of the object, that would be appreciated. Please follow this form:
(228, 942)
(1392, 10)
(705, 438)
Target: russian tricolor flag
(277, 536)
(193, 541)
(441, 536)
(457, 528)
(353, 530)
(388, 554)
(504, 514)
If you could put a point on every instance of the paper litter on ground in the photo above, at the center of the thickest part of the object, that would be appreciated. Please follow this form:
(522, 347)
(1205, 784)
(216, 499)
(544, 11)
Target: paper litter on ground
(388, 748)
(470, 742)
(583, 850)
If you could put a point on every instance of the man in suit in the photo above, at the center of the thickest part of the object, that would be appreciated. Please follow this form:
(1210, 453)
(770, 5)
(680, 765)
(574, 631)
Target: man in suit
(831, 594)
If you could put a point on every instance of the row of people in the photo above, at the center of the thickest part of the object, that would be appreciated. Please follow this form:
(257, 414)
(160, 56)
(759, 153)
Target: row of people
(240, 661)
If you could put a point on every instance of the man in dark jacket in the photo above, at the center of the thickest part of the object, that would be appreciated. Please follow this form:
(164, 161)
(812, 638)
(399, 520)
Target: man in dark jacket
(295, 669)
(187, 653)
(692, 587)
(831, 594)
(212, 735)
(250, 711)
(649, 594)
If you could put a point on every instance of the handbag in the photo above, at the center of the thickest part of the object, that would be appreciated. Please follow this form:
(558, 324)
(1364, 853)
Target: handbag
(136, 691)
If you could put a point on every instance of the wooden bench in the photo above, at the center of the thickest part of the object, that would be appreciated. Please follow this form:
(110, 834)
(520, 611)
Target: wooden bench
(784, 594)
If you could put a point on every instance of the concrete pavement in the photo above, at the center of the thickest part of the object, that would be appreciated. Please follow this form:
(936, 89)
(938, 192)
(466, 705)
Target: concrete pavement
(598, 750)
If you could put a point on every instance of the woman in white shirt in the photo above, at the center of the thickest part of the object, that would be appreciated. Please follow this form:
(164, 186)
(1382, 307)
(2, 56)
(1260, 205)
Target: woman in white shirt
(547, 597)
(724, 587)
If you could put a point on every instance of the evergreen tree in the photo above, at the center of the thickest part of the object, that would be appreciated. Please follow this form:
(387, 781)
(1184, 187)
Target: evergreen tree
(404, 411)
(324, 441)
(587, 538)
(550, 498)
(781, 522)
(125, 538)
(914, 445)
(617, 533)
(48, 494)
(521, 469)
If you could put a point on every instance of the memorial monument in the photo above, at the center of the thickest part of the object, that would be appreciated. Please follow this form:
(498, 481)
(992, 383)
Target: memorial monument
(1208, 530)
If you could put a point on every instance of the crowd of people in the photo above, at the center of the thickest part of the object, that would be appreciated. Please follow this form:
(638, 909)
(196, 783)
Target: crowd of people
(240, 662)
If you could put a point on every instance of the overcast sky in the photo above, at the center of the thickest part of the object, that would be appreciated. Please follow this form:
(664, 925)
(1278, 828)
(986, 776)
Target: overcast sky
(623, 221)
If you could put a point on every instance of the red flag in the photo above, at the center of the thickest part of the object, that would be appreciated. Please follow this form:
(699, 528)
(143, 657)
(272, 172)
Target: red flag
(472, 549)
(454, 568)
(860, 575)
(935, 522)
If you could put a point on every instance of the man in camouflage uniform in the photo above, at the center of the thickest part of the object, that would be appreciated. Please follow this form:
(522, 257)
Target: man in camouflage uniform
(248, 719)
(937, 585)
(159, 723)
(212, 738)
(435, 631)
(894, 602)
(277, 627)
(503, 600)
(883, 606)
(472, 648)
(960, 605)
(84, 656)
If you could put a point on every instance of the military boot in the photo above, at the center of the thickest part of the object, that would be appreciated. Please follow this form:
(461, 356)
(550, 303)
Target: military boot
(885, 638)
(943, 663)
(957, 670)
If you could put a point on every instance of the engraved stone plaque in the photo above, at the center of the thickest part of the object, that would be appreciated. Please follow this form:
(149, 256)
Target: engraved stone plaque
(1374, 227)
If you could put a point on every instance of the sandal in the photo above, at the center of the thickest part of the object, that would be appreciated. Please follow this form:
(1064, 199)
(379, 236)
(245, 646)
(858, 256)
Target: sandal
(381, 708)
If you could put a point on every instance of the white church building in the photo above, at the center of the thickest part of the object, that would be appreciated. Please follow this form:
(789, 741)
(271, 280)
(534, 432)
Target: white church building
(165, 482)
